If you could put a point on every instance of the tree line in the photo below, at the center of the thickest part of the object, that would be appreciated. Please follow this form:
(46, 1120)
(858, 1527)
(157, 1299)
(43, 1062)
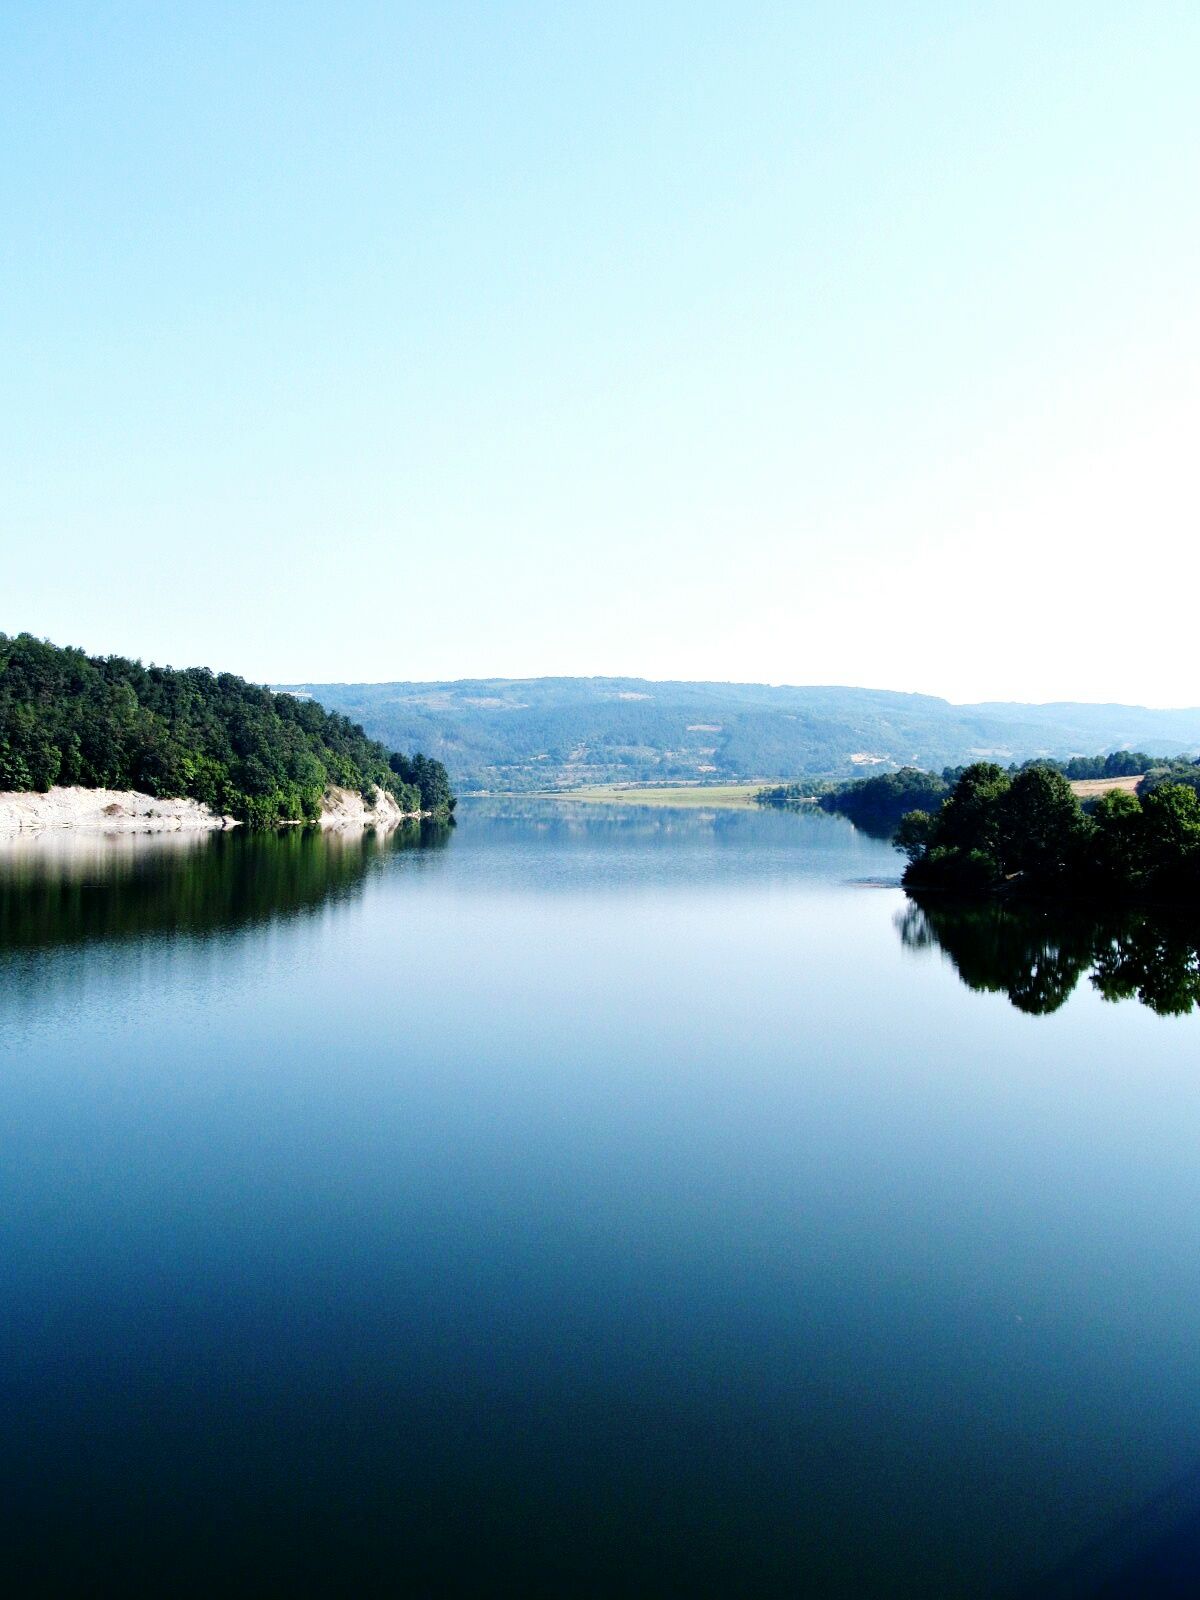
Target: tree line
(873, 804)
(878, 803)
(111, 723)
(1026, 831)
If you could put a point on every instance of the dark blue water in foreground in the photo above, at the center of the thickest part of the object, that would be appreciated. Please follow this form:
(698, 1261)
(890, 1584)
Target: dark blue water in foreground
(579, 1203)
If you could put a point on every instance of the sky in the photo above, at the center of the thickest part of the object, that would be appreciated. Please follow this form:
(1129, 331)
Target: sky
(804, 343)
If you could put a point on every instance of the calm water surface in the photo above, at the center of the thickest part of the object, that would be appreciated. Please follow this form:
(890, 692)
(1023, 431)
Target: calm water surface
(580, 1202)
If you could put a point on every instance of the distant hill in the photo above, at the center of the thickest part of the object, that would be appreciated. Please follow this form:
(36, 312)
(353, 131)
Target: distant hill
(540, 733)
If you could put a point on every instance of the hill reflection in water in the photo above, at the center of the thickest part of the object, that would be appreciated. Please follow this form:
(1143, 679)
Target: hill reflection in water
(1037, 955)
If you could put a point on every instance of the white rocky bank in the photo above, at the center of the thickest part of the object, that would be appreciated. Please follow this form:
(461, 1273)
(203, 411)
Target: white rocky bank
(127, 811)
(346, 808)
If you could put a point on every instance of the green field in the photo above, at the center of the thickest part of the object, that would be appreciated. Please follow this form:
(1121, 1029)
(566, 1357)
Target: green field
(725, 795)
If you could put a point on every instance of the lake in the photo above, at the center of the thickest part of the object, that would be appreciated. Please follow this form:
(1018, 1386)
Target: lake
(586, 1201)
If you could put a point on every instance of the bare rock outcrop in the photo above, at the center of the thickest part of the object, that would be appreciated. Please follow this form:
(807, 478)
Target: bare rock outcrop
(346, 808)
(104, 811)
(127, 811)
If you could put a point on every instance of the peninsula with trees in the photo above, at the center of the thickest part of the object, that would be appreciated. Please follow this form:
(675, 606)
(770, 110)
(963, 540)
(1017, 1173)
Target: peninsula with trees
(1120, 827)
(1108, 828)
(1026, 833)
(876, 804)
(237, 749)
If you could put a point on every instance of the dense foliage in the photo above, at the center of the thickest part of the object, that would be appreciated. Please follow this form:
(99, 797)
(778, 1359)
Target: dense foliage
(1158, 773)
(429, 778)
(1028, 832)
(875, 805)
(1117, 764)
(105, 722)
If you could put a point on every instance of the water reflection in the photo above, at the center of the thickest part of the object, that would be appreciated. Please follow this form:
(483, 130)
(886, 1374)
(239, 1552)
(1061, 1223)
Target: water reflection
(1036, 955)
(564, 845)
(64, 889)
(581, 1208)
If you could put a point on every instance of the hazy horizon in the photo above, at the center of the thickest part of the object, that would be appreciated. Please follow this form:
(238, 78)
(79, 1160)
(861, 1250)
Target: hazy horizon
(633, 677)
(278, 681)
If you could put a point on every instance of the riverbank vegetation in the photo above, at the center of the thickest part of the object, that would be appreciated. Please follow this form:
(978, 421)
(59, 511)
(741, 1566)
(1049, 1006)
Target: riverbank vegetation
(999, 832)
(875, 805)
(107, 722)
(878, 803)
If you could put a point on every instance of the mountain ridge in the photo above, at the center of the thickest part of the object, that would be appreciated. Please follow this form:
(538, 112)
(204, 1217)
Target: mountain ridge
(561, 732)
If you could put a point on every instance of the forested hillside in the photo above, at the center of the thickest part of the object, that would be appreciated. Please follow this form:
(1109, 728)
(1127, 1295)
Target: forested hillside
(105, 722)
(546, 733)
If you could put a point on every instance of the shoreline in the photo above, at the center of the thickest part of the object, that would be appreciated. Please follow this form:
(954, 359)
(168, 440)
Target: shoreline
(722, 796)
(100, 812)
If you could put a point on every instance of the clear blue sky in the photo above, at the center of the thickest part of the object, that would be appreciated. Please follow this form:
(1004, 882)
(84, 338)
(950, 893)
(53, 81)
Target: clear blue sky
(803, 343)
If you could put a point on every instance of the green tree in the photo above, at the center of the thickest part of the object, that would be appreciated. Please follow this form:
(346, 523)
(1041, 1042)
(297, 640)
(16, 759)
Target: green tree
(970, 818)
(1118, 839)
(1171, 836)
(1039, 826)
(914, 833)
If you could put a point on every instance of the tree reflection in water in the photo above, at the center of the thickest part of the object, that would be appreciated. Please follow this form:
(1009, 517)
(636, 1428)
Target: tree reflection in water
(77, 889)
(1037, 954)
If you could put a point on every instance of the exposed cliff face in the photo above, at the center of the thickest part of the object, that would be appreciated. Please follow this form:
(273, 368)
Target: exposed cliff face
(127, 811)
(104, 811)
(346, 808)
